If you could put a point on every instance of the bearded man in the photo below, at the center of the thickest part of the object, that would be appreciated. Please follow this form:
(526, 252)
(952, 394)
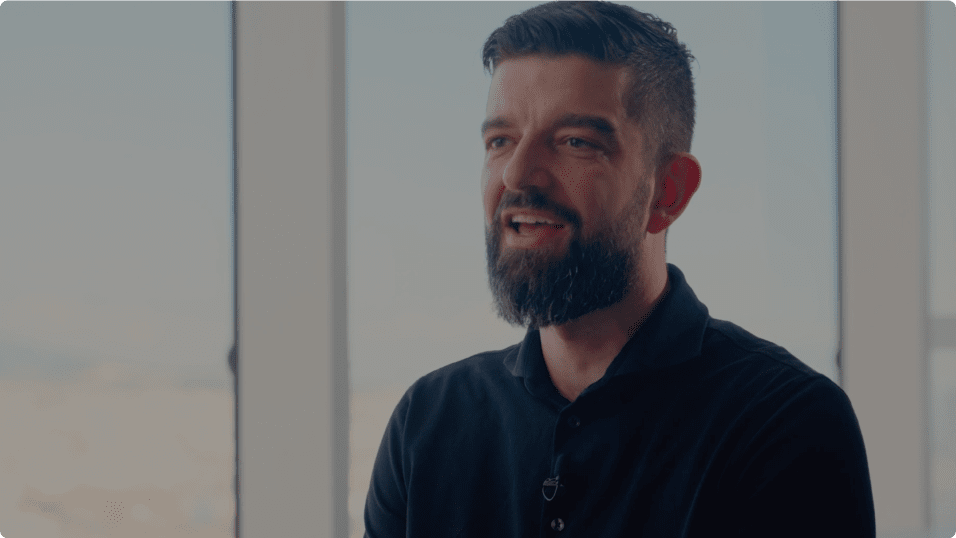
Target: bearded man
(626, 410)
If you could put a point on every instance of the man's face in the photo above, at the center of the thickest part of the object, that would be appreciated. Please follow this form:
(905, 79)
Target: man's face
(566, 187)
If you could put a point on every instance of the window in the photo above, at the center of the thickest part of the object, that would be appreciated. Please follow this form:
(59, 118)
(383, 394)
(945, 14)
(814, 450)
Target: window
(116, 264)
(116, 273)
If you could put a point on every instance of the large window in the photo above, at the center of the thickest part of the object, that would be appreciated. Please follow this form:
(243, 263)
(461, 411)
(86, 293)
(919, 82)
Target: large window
(116, 270)
(116, 262)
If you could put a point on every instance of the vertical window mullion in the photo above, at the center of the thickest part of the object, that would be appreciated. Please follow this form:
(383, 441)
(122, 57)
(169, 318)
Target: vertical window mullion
(884, 325)
(292, 386)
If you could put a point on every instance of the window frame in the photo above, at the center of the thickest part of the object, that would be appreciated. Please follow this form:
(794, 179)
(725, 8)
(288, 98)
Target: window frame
(292, 418)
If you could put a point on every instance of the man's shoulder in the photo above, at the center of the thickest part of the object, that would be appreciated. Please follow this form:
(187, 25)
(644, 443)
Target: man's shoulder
(468, 387)
(467, 375)
(731, 343)
(767, 372)
(758, 382)
(762, 376)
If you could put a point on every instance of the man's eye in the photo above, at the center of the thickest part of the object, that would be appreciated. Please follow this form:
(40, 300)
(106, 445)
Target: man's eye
(496, 142)
(575, 142)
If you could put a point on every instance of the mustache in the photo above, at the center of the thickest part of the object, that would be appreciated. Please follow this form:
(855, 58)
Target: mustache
(535, 199)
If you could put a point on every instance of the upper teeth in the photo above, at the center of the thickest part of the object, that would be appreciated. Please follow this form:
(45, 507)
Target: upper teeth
(528, 219)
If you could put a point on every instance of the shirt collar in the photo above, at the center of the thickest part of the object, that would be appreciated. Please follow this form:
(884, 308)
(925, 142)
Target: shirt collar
(672, 334)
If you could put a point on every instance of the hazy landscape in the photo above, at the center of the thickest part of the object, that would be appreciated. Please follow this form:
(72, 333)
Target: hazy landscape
(116, 451)
(120, 451)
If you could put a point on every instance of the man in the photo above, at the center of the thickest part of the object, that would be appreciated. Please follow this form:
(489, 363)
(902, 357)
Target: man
(626, 410)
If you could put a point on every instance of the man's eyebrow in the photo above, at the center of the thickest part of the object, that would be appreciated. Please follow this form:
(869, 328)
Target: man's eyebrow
(494, 123)
(596, 123)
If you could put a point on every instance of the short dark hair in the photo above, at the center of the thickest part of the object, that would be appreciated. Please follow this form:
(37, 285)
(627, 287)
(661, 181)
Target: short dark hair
(660, 94)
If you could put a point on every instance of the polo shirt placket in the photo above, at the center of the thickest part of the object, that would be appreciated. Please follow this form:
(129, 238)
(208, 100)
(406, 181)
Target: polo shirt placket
(575, 441)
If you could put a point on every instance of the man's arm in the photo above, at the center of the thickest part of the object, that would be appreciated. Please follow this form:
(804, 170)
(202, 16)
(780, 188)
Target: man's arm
(385, 505)
(806, 472)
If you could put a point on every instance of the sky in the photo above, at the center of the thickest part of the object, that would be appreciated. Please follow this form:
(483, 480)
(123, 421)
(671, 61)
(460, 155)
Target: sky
(115, 208)
(115, 203)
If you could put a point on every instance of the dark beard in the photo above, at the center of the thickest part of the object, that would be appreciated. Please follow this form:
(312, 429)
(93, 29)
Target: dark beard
(535, 289)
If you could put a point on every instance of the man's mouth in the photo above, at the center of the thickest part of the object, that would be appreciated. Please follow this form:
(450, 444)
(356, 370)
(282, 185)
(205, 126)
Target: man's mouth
(533, 231)
(528, 223)
(527, 227)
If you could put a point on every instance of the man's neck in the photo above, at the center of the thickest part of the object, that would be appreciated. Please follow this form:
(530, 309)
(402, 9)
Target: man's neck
(578, 353)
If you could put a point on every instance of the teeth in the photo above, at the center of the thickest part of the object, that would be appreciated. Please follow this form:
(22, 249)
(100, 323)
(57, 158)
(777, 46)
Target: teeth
(527, 219)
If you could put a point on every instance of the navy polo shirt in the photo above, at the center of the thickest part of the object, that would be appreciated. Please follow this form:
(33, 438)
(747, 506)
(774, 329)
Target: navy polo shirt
(697, 429)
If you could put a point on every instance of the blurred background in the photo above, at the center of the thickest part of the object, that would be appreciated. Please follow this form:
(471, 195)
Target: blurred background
(116, 233)
(117, 409)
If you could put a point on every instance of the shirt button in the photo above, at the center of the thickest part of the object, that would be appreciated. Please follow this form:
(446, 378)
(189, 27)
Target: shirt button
(557, 524)
(574, 421)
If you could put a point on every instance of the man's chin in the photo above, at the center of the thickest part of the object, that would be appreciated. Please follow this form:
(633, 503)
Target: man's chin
(537, 322)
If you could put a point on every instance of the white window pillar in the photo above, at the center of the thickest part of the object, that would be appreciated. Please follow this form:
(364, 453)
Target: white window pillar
(883, 251)
(292, 390)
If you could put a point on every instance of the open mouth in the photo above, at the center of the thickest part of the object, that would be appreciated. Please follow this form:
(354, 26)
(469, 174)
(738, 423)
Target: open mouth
(530, 227)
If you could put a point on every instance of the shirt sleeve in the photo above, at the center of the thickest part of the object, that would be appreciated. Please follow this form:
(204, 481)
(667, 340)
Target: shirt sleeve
(805, 473)
(385, 505)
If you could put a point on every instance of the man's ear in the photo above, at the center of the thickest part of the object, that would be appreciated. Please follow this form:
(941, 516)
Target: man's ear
(677, 182)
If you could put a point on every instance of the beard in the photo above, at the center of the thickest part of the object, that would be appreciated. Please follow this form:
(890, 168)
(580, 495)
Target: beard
(540, 288)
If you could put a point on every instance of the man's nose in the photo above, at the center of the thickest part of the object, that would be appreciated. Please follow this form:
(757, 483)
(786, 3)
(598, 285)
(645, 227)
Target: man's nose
(526, 168)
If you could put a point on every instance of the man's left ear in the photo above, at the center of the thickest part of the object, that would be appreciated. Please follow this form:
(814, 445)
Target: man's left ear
(678, 180)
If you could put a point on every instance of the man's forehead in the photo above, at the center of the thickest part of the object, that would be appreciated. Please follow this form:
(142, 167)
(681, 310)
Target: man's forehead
(578, 90)
(543, 67)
